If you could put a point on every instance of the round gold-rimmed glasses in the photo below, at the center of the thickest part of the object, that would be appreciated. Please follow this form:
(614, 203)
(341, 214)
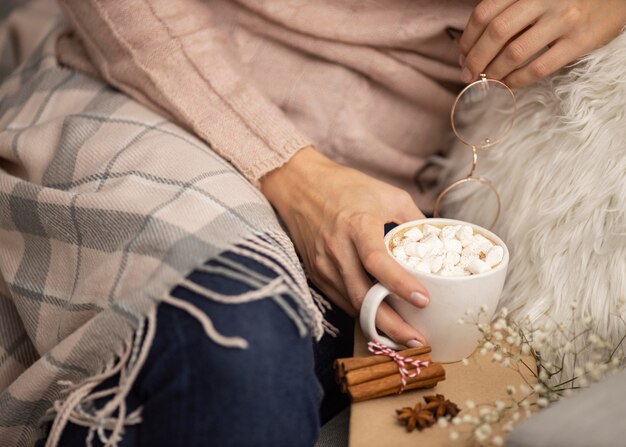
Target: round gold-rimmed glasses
(468, 108)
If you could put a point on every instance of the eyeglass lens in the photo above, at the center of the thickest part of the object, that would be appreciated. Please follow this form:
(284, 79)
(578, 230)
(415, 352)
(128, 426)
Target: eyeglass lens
(483, 113)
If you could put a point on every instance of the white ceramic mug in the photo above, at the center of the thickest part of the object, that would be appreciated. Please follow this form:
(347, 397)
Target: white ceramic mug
(450, 297)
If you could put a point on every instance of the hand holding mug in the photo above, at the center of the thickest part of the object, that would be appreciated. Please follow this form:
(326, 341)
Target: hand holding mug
(335, 216)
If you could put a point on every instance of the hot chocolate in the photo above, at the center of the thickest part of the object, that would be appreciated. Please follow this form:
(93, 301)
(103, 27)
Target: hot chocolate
(451, 250)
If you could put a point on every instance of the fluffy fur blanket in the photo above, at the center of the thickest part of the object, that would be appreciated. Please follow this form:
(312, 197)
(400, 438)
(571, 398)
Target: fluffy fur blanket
(562, 177)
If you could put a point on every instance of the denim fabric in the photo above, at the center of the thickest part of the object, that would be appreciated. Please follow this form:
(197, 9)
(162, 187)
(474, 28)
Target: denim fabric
(197, 393)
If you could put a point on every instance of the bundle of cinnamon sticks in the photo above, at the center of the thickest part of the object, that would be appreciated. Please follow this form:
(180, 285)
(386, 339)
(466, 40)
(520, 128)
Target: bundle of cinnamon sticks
(377, 375)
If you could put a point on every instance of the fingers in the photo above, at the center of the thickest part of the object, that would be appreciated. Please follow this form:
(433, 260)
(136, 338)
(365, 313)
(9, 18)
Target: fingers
(561, 54)
(329, 280)
(388, 321)
(405, 209)
(483, 14)
(374, 257)
(523, 48)
(500, 30)
(352, 273)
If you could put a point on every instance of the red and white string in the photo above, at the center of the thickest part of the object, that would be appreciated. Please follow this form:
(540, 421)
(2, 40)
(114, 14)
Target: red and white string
(402, 362)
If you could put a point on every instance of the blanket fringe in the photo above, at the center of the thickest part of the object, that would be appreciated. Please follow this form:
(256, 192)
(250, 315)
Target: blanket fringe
(77, 408)
(108, 423)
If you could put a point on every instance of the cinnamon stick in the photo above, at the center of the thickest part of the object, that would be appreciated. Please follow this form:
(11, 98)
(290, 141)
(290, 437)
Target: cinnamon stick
(428, 378)
(368, 373)
(416, 385)
(345, 365)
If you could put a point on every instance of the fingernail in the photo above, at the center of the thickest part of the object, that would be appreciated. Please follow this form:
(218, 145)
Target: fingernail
(461, 60)
(466, 75)
(414, 344)
(419, 299)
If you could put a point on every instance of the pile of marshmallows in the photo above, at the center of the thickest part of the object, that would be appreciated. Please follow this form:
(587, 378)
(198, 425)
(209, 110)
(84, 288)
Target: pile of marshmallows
(453, 250)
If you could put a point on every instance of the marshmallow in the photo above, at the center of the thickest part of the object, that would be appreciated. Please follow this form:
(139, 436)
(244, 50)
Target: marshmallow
(480, 243)
(414, 234)
(454, 271)
(466, 258)
(452, 245)
(418, 249)
(494, 256)
(477, 266)
(464, 234)
(433, 242)
(422, 267)
(399, 253)
(449, 232)
(434, 263)
(431, 229)
(451, 259)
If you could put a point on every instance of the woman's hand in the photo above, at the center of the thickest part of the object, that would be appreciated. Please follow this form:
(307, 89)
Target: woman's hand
(501, 35)
(336, 218)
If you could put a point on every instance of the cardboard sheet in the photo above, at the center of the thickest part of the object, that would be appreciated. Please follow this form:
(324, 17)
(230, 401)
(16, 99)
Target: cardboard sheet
(373, 423)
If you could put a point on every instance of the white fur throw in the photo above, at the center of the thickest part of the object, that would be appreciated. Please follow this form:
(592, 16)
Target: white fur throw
(561, 174)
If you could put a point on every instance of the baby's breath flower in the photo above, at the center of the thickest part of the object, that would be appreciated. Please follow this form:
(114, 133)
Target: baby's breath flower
(469, 311)
(567, 392)
(525, 390)
(456, 421)
(465, 361)
(497, 357)
(454, 435)
(499, 324)
(525, 405)
(542, 402)
(484, 411)
(498, 335)
(615, 361)
(497, 440)
(525, 349)
(500, 405)
(442, 422)
(510, 390)
(470, 404)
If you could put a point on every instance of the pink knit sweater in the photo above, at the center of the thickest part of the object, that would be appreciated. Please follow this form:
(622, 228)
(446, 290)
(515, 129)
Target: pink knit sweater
(369, 83)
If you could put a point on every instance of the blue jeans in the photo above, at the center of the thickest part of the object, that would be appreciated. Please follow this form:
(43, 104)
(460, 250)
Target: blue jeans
(195, 392)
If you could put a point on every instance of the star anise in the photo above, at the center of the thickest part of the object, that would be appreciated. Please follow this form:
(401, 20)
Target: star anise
(416, 417)
(439, 406)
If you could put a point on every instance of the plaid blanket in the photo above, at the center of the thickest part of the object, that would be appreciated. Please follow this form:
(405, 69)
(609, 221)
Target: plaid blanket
(104, 207)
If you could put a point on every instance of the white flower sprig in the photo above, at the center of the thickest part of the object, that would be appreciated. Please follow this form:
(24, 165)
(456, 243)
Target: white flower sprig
(559, 359)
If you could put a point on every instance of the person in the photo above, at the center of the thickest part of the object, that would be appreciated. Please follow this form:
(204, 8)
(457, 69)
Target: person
(328, 108)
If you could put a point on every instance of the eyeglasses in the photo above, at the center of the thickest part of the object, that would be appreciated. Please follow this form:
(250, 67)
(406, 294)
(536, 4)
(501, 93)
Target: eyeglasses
(470, 107)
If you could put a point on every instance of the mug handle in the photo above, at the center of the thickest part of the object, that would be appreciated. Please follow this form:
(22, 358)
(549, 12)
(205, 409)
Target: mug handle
(367, 315)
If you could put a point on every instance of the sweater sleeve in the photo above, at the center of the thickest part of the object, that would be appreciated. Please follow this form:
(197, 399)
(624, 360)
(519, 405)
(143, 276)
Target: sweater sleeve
(171, 55)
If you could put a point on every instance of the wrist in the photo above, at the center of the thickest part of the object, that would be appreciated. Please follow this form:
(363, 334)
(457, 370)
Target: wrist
(285, 185)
